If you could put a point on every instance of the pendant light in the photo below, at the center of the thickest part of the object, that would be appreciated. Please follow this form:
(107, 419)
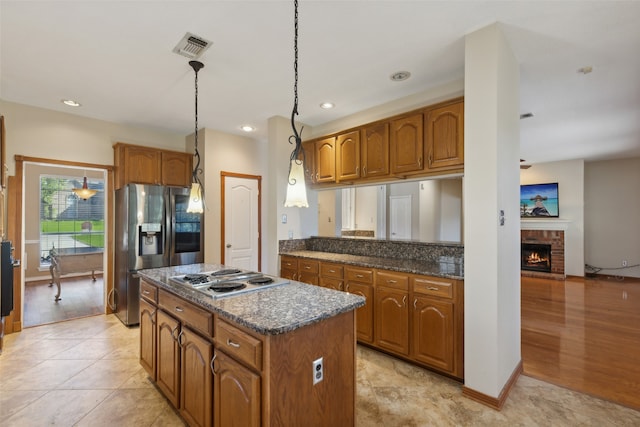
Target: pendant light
(196, 195)
(84, 193)
(296, 188)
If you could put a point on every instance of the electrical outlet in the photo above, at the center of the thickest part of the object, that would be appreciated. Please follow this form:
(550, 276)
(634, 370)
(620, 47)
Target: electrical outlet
(624, 263)
(318, 371)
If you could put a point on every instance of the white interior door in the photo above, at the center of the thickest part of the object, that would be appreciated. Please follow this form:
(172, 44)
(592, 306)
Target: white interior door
(241, 231)
(400, 217)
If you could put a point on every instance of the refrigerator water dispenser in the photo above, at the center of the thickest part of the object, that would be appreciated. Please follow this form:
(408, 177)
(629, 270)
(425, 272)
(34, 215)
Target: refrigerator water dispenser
(150, 239)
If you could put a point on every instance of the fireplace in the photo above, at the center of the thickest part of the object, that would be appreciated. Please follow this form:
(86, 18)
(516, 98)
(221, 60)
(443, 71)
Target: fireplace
(535, 257)
(546, 248)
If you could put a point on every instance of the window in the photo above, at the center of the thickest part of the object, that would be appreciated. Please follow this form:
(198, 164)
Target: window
(68, 223)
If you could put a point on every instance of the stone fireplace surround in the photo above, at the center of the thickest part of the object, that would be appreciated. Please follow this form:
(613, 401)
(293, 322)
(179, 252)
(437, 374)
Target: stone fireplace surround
(555, 238)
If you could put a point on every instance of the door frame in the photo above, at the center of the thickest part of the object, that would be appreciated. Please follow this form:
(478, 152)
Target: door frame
(15, 216)
(223, 176)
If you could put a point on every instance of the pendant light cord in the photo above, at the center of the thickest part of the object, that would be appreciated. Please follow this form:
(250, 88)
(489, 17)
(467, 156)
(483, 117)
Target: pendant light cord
(296, 137)
(196, 67)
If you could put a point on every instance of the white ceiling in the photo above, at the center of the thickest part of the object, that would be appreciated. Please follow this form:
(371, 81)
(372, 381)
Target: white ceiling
(115, 57)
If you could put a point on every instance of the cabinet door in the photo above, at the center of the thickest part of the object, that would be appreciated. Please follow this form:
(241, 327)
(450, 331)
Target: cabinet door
(348, 156)
(445, 137)
(148, 337)
(196, 379)
(326, 160)
(433, 334)
(176, 169)
(288, 267)
(142, 165)
(309, 149)
(407, 144)
(364, 314)
(237, 394)
(374, 147)
(168, 357)
(392, 320)
(310, 278)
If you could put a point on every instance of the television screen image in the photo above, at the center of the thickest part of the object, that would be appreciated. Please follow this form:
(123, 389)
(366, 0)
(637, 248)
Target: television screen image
(539, 201)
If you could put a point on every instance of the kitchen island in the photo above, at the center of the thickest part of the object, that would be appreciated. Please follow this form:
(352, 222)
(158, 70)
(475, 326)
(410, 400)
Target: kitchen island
(283, 355)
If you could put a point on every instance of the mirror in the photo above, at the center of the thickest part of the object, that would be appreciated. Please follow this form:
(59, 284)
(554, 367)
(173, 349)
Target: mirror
(425, 211)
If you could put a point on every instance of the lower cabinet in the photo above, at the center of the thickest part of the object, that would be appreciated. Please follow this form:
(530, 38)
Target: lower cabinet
(237, 393)
(196, 379)
(168, 354)
(148, 316)
(433, 332)
(392, 320)
(418, 318)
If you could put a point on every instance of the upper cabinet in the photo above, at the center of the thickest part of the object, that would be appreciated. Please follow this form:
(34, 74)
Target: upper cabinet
(374, 150)
(424, 142)
(145, 165)
(407, 144)
(325, 157)
(348, 156)
(444, 138)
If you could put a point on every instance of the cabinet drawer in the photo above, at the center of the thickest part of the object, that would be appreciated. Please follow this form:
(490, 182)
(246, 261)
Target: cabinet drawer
(288, 263)
(148, 291)
(392, 280)
(331, 270)
(239, 344)
(433, 286)
(307, 266)
(359, 275)
(186, 312)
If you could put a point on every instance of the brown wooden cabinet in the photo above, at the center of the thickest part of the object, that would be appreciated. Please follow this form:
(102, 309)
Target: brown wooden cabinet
(444, 137)
(359, 281)
(392, 312)
(148, 332)
(196, 379)
(438, 323)
(375, 150)
(309, 149)
(146, 165)
(308, 271)
(289, 267)
(168, 357)
(407, 144)
(331, 276)
(348, 156)
(237, 394)
(325, 160)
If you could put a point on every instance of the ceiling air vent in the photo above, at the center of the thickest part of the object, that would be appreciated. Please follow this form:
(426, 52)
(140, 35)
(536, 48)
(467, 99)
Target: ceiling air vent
(192, 46)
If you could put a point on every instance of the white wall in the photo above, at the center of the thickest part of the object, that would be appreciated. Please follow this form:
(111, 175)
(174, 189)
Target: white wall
(36, 132)
(569, 175)
(611, 219)
(223, 152)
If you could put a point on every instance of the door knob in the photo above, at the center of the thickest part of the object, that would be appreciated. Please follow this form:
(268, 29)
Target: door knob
(228, 245)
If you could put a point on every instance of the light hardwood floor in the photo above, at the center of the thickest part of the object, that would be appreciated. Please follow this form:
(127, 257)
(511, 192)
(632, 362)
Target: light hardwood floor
(584, 334)
(86, 372)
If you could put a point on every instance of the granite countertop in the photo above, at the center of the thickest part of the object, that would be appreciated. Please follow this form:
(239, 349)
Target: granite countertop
(446, 266)
(269, 311)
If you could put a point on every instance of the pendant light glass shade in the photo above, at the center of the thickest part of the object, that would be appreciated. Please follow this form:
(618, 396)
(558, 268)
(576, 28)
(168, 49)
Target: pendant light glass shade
(85, 193)
(195, 199)
(296, 188)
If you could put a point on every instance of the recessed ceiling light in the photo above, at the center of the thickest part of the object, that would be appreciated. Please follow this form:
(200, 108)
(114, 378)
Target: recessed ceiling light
(585, 70)
(247, 128)
(327, 105)
(526, 116)
(400, 76)
(70, 102)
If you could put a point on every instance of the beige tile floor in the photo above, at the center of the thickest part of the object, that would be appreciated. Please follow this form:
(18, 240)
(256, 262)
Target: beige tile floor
(85, 372)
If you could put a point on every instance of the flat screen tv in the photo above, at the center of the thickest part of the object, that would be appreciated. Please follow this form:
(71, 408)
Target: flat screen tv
(539, 201)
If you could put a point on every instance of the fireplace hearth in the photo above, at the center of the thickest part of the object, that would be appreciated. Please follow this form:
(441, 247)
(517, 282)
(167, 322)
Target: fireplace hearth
(535, 257)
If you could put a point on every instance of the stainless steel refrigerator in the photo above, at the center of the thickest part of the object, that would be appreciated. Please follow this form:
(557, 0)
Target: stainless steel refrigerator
(153, 229)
